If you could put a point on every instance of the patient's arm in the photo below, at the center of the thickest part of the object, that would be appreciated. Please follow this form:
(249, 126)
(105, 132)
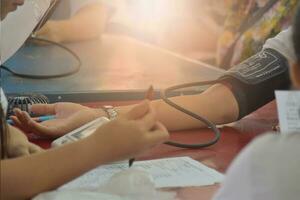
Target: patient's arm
(88, 23)
(125, 137)
(217, 104)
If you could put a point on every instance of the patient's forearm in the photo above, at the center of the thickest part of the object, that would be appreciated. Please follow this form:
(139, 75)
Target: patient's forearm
(88, 23)
(217, 104)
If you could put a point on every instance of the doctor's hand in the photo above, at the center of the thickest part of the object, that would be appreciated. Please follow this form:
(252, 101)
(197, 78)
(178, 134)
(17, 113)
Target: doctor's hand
(131, 133)
(18, 144)
(68, 116)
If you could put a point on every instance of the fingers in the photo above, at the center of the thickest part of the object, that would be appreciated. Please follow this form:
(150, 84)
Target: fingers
(150, 93)
(149, 120)
(43, 109)
(23, 121)
(34, 126)
(159, 135)
(19, 120)
(43, 31)
(34, 148)
(160, 126)
(138, 111)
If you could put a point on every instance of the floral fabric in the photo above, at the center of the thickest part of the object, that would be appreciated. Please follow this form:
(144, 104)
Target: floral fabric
(277, 18)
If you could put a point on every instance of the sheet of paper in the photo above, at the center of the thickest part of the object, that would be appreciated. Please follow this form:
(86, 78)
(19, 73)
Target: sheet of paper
(169, 172)
(288, 103)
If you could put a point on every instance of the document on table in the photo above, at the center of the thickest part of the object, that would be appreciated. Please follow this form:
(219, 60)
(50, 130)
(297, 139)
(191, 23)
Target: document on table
(169, 172)
(288, 103)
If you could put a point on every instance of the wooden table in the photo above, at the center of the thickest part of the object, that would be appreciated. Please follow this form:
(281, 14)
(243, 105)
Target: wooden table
(234, 137)
(116, 68)
(113, 68)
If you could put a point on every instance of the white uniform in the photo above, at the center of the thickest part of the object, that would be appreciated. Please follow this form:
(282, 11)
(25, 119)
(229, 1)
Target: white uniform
(268, 168)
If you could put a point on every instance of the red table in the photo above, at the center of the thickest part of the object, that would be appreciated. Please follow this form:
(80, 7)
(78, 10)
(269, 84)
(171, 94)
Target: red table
(234, 137)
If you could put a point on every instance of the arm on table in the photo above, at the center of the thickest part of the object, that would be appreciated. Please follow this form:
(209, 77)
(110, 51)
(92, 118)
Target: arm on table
(133, 133)
(217, 104)
(88, 23)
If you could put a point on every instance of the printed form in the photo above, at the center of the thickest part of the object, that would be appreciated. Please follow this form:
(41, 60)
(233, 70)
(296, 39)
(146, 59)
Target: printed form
(288, 104)
(169, 172)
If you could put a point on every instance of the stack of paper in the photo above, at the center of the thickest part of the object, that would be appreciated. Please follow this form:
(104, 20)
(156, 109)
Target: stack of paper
(170, 172)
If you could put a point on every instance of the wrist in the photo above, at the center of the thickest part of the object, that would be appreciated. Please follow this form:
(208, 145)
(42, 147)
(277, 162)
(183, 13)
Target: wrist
(99, 113)
(110, 111)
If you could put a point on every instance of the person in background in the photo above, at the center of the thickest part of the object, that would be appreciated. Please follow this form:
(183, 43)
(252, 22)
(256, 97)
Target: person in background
(204, 30)
(9, 6)
(207, 30)
(75, 20)
(268, 168)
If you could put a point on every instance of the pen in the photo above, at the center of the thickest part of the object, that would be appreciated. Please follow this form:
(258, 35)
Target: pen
(37, 119)
(149, 96)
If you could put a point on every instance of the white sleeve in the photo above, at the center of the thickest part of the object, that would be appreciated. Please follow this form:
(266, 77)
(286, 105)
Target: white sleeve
(3, 101)
(268, 168)
(236, 185)
(283, 43)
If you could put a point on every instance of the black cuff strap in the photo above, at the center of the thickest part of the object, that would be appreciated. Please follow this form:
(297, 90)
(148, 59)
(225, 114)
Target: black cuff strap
(254, 81)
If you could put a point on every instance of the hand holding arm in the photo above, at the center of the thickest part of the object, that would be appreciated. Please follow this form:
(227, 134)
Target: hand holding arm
(124, 137)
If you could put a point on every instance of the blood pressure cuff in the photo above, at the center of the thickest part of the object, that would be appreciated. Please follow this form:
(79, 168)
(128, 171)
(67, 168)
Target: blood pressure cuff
(254, 81)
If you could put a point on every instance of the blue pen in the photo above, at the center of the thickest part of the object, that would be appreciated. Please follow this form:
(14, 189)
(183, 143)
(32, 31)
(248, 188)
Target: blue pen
(37, 119)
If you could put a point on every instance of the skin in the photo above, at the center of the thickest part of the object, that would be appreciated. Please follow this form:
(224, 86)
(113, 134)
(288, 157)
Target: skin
(89, 21)
(9, 6)
(70, 116)
(295, 75)
(70, 149)
(133, 133)
(18, 144)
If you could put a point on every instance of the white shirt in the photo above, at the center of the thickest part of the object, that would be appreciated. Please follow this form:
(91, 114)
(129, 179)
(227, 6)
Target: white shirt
(283, 43)
(267, 169)
(3, 100)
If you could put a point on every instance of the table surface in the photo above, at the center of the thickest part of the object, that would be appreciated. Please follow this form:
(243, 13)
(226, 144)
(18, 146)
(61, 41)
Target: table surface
(118, 64)
(234, 137)
(115, 68)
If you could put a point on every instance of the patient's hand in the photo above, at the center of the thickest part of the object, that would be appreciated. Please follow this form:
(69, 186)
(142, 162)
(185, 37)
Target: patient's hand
(69, 116)
(18, 144)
